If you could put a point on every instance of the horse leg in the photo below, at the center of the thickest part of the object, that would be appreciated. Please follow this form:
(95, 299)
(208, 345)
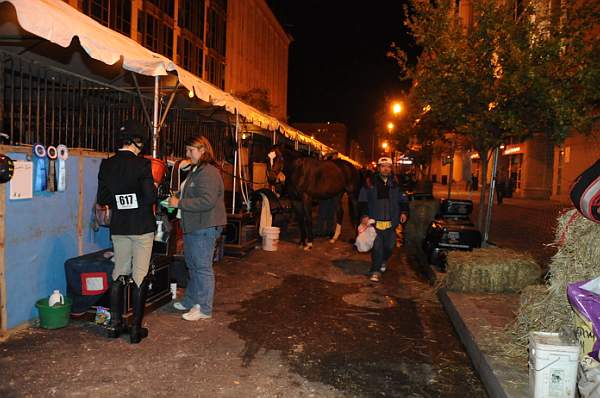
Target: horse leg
(339, 217)
(354, 216)
(299, 211)
(307, 207)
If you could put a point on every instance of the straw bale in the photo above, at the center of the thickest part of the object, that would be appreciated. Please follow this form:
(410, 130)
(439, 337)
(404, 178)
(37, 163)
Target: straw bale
(546, 308)
(493, 270)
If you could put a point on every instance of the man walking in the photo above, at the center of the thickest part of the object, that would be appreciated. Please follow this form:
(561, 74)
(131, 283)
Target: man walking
(383, 201)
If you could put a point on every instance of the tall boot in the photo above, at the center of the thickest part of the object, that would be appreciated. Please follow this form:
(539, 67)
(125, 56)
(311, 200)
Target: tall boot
(138, 297)
(117, 296)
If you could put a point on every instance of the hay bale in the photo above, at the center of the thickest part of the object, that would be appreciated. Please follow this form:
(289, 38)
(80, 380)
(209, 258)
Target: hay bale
(546, 308)
(492, 270)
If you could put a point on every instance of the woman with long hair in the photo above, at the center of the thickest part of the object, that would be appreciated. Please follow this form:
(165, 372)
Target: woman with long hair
(202, 209)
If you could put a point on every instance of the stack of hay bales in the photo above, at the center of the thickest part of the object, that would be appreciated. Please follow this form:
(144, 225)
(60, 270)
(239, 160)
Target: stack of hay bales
(491, 270)
(546, 308)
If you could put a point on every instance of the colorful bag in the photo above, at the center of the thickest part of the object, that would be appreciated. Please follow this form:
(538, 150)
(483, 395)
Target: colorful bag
(585, 193)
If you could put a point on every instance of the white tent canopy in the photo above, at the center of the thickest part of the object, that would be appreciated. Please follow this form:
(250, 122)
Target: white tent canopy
(59, 23)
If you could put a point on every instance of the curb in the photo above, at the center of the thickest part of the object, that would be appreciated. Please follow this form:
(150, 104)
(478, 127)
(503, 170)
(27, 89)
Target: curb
(480, 361)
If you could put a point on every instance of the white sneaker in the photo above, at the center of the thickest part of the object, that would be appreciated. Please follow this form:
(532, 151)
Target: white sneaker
(180, 307)
(194, 314)
(383, 268)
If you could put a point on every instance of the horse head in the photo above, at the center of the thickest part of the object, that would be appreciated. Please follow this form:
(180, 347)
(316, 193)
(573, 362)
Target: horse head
(275, 163)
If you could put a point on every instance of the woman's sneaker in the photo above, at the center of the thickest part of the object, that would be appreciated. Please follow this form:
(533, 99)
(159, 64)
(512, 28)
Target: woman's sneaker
(194, 314)
(180, 307)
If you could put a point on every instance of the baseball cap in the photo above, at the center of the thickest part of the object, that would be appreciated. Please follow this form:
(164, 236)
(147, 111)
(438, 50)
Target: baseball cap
(385, 160)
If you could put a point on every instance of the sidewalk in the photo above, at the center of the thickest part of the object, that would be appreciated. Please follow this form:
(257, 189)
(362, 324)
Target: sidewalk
(480, 321)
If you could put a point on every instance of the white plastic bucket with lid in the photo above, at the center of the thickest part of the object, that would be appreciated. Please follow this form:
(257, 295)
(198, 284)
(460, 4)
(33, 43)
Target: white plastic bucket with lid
(552, 366)
(270, 239)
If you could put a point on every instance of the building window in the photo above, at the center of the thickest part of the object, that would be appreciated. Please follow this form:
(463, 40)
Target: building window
(191, 17)
(222, 4)
(155, 33)
(216, 30)
(115, 14)
(215, 71)
(189, 51)
(166, 6)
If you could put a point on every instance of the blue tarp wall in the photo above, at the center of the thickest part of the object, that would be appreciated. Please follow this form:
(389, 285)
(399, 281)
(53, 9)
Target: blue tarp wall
(42, 233)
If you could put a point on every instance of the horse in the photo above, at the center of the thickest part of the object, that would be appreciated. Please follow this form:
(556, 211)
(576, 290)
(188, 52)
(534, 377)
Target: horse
(305, 179)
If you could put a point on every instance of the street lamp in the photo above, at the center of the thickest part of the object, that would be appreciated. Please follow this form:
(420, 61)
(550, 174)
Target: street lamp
(390, 127)
(396, 108)
(385, 145)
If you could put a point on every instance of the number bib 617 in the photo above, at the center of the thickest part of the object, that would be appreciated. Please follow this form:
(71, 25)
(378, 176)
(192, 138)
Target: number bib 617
(126, 201)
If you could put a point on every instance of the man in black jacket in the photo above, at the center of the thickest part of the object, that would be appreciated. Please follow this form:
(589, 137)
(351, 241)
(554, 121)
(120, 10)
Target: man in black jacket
(383, 201)
(125, 184)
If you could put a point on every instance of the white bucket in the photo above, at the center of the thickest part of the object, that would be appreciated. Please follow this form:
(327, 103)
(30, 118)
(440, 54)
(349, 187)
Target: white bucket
(552, 366)
(270, 239)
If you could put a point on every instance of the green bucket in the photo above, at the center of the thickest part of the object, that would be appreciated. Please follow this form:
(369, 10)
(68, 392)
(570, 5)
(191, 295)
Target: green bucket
(56, 316)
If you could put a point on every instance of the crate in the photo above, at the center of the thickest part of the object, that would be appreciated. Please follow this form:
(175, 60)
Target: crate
(240, 234)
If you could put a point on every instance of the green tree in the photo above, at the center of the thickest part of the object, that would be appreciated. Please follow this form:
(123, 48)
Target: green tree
(500, 75)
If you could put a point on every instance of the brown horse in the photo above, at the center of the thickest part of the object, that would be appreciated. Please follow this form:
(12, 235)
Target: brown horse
(305, 179)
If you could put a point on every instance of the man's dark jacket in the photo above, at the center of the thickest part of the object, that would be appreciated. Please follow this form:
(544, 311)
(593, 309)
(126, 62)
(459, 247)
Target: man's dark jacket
(126, 173)
(374, 192)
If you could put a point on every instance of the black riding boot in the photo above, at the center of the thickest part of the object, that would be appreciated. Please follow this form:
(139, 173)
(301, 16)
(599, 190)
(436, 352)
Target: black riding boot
(117, 295)
(138, 297)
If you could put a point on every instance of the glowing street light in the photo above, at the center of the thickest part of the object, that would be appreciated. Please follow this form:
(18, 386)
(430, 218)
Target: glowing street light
(384, 145)
(396, 108)
(390, 126)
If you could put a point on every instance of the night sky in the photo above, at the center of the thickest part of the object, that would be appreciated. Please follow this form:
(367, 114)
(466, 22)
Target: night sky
(338, 65)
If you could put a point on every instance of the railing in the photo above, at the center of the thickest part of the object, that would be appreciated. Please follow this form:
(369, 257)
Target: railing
(43, 104)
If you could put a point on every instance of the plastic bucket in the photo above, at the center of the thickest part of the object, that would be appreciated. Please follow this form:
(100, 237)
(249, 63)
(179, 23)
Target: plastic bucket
(552, 366)
(270, 239)
(56, 316)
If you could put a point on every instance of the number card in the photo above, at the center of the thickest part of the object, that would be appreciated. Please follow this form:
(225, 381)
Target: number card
(126, 201)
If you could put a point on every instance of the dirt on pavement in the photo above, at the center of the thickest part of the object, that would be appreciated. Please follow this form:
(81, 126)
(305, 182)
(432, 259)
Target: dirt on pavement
(289, 323)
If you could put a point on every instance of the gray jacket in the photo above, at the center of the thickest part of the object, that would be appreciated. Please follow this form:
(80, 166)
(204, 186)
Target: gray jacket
(202, 199)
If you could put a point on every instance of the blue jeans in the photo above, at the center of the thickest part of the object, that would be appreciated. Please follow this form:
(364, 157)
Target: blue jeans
(382, 248)
(199, 248)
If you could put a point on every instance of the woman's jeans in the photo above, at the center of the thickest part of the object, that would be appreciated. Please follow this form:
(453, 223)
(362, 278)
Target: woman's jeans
(199, 249)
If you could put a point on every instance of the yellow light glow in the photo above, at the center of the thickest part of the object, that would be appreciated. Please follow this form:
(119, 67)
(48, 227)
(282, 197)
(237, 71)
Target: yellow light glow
(191, 94)
(426, 108)
(384, 145)
(397, 108)
(244, 136)
(390, 126)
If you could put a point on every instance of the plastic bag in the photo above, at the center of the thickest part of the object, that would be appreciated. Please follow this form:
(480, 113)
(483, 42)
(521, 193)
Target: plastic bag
(587, 304)
(102, 316)
(589, 378)
(366, 237)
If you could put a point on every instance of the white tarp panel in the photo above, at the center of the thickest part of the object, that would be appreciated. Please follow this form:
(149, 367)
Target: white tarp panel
(59, 23)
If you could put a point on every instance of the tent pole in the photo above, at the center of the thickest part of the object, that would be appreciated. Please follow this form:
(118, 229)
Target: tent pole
(235, 161)
(155, 119)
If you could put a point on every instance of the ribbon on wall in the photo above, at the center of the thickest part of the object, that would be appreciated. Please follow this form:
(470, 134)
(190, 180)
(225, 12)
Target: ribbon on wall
(61, 173)
(52, 156)
(40, 180)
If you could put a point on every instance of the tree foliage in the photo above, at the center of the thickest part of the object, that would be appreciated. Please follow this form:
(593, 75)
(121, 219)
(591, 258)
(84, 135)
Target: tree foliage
(502, 76)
